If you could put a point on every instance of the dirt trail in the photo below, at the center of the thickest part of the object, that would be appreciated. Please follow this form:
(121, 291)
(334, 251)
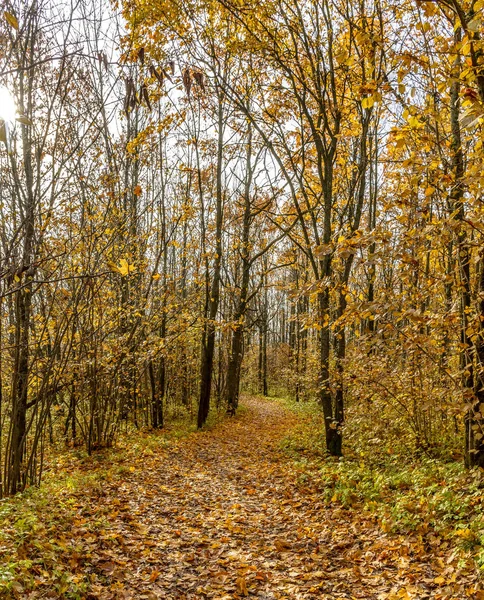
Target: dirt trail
(222, 515)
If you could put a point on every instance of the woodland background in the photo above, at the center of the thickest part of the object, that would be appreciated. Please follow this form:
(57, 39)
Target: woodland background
(203, 199)
(284, 198)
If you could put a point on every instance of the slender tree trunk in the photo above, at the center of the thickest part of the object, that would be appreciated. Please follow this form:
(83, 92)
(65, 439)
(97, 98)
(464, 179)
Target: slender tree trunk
(474, 451)
(263, 328)
(294, 339)
(237, 346)
(333, 436)
(208, 338)
(23, 310)
(359, 195)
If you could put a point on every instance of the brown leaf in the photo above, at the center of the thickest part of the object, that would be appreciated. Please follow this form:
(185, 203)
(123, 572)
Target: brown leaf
(282, 545)
(107, 567)
(199, 80)
(323, 250)
(187, 81)
(158, 76)
(130, 99)
(144, 95)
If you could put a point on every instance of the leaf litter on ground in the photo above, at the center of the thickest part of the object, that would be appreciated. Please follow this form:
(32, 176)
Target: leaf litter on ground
(221, 514)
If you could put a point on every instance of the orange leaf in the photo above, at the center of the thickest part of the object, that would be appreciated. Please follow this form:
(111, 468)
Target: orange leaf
(241, 586)
(282, 545)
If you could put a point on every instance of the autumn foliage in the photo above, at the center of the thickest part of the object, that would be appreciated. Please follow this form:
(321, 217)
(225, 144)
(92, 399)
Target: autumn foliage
(200, 199)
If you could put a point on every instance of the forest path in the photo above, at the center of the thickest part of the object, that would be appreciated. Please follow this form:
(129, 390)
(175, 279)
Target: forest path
(221, 515)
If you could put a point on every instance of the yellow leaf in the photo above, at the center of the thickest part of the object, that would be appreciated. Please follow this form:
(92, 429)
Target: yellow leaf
(125, 268)
(429, 9)
(156, 276)
(11, 19)
(368, 102)
(429, 191)
(24, 120)
(466, 534)
(415, 122)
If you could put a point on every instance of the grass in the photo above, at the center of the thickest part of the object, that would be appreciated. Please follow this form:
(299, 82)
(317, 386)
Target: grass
(405, 494)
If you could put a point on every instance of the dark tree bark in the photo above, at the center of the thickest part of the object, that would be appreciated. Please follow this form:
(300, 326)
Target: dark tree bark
(474, 447)
(237, 345)
(208, 337)
(23, 302)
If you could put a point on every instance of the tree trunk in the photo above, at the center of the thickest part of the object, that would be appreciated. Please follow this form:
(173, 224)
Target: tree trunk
(333, 435)
(23, 308)
(208, 337)
(474, 451)
(237, 346)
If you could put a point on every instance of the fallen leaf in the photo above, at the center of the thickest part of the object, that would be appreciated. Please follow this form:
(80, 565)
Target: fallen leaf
(241, 586)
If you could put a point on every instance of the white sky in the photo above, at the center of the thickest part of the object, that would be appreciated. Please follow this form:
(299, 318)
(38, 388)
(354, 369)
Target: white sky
(7, 105)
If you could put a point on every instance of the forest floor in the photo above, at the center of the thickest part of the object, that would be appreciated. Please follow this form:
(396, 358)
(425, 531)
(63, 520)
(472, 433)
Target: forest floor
(225, 513)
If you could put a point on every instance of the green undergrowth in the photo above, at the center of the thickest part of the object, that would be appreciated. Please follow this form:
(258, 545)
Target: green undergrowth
(425, 495)
(37, 541)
